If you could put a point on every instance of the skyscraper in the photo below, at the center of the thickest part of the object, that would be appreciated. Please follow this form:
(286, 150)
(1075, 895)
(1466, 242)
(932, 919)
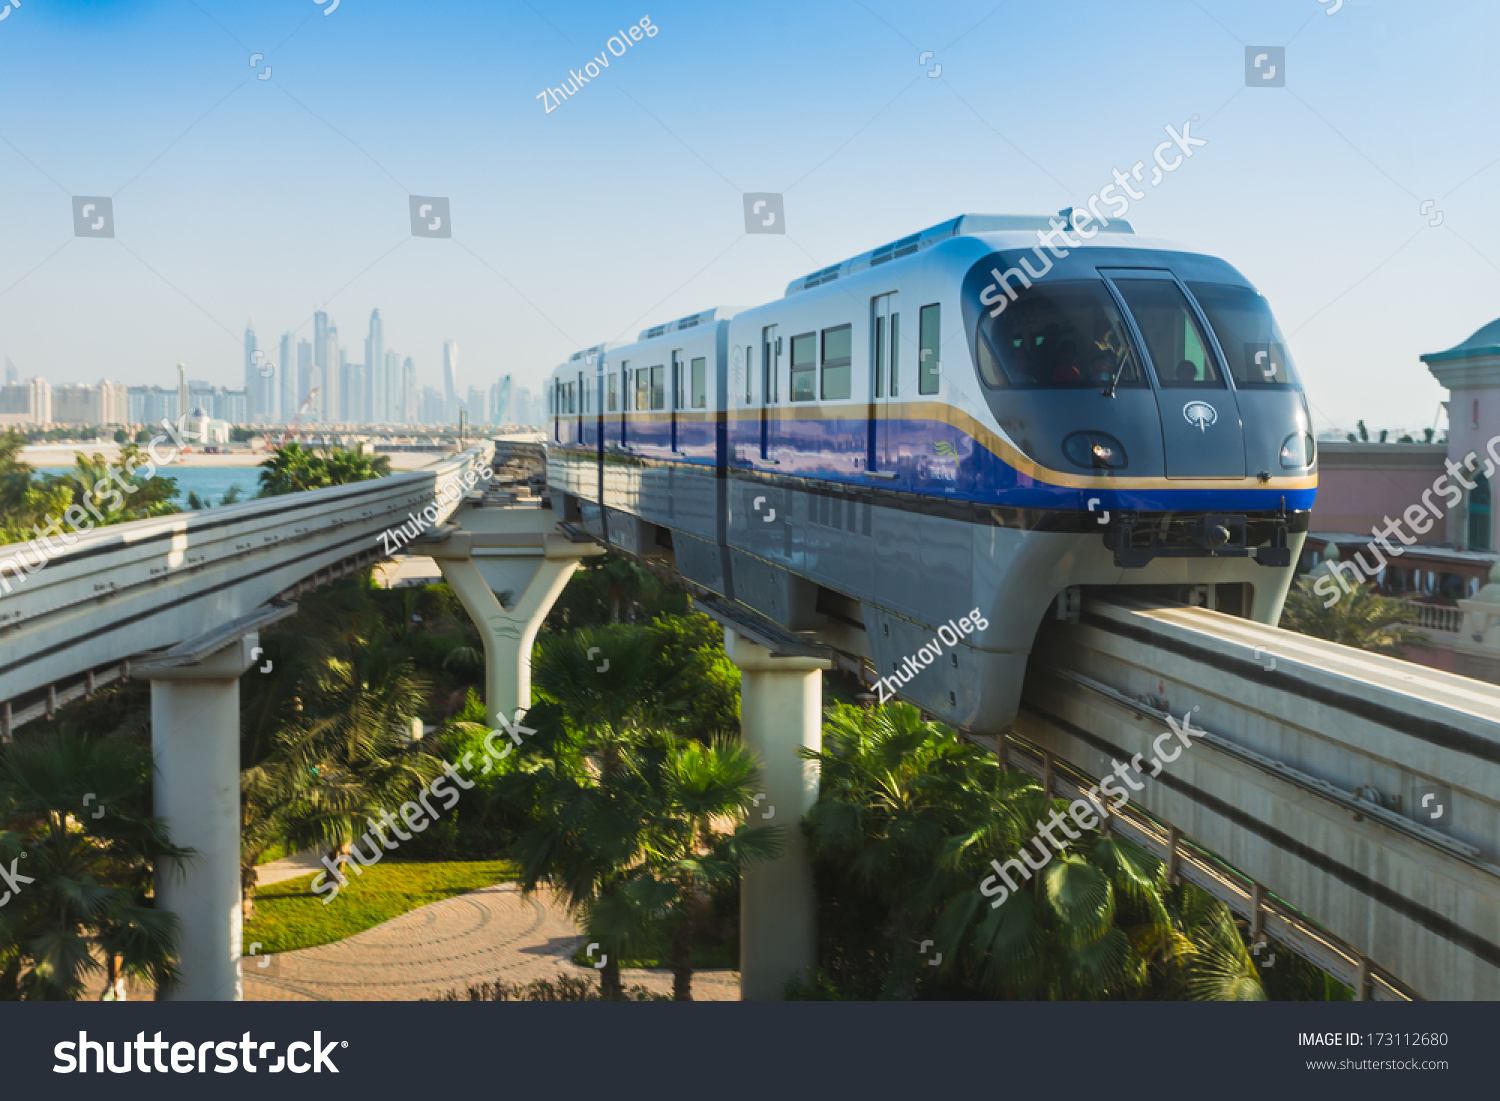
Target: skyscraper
(183, 408)
(377, 389)
(450, 389)
(500, 401)
(320, 338)
(12, 376)
(408, 410)
(305, 382)
(287, 402)
(332, 403)
(255, 383)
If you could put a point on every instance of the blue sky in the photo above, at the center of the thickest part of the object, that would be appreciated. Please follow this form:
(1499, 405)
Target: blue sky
(241, 198)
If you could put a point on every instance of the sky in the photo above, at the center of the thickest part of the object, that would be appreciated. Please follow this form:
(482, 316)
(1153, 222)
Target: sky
(266, 191)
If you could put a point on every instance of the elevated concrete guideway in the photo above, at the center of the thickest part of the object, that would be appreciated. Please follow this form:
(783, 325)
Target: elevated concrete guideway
(1362, 790)
(121, 592)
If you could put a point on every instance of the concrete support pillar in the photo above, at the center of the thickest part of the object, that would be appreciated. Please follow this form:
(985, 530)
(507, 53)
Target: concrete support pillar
(781, 710)
(195, 746)
(508, 633)
(518, 552)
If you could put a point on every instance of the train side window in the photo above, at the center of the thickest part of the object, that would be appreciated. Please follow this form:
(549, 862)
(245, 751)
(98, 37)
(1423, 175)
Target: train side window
(837, 346)
(929, 363)
(699, 382)
(1176, 345)
(659, 386)
(642, 388)
(679, 395)
(749, 374)
(804, 366)
(612, 394)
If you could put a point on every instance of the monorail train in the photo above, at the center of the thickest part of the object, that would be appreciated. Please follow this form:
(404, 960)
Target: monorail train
(962, 421)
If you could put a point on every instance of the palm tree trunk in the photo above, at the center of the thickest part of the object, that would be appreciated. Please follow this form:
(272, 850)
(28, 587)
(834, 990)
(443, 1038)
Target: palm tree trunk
(901, 982)
(248, 881)
(610, 986)
(682, 951)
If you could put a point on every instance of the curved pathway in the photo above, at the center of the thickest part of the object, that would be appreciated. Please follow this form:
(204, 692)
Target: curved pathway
(485, 935)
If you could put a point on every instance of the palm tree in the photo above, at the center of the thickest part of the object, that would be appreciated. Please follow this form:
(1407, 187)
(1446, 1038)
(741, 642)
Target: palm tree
(76, 821)
(326, 742)
(914, 815)
(603, 694)
(1360, 618)
(292, 469)
(689, 793)
(139, 498)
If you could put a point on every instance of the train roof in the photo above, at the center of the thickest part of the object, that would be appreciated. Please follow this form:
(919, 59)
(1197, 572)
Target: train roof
(965, 225)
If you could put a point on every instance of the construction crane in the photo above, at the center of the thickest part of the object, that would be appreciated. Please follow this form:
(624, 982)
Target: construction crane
(297, 420)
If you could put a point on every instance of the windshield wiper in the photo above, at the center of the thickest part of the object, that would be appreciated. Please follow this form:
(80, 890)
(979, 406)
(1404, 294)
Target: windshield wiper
(1109, 391)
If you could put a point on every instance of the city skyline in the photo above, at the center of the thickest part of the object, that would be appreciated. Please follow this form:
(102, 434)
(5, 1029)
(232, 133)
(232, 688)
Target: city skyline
(540, 266)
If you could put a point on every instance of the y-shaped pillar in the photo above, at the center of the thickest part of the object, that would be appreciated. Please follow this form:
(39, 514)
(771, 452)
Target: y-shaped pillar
(781, 710)
(515, 551)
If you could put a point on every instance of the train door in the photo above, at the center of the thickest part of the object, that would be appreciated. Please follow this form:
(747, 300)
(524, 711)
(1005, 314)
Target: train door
(625, 393)
(1202, 433)
(885, 381)
(770, 389)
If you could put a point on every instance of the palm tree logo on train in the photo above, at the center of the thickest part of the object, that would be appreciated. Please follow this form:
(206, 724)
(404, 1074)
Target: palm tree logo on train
(1201, 414)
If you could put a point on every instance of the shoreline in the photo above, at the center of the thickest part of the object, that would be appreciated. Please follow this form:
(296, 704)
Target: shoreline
(63, 455)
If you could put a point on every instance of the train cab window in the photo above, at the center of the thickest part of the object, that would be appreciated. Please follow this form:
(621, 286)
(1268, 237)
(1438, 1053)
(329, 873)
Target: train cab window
(698, 383)
(837, 346)
(929, 355)
(804, 366)
(659, 386)
(1056, 336)
(1177, 347)
(1248, 335)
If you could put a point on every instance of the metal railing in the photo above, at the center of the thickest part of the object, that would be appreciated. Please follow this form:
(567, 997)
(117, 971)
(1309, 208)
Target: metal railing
(1438, 617)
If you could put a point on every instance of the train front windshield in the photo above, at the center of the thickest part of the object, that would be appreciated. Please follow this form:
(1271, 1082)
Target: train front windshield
(1248, 333)
(1064, 335)
(1069, 335)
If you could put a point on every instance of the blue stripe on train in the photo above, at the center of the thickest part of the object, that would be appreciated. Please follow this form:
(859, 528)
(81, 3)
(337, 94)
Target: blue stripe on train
(926, 457)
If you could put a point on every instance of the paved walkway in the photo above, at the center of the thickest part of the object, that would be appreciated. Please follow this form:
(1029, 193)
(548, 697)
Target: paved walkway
(489, 934)
(288, 867)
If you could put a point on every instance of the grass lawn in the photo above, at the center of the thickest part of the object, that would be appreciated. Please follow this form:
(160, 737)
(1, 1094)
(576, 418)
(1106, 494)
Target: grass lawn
(275, 852)
(289, 916)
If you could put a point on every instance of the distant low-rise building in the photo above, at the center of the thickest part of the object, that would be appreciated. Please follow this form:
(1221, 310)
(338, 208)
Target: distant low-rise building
(151, 404)
(106, 403)
(28, 402)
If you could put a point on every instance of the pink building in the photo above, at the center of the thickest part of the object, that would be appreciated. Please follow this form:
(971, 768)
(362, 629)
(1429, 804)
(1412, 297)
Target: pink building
(1471, 372)
(1365, 488)
(1361, 484)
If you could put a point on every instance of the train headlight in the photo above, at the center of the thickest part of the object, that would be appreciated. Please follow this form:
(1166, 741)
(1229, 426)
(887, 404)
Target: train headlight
(1298, 450)
(1095, 451)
